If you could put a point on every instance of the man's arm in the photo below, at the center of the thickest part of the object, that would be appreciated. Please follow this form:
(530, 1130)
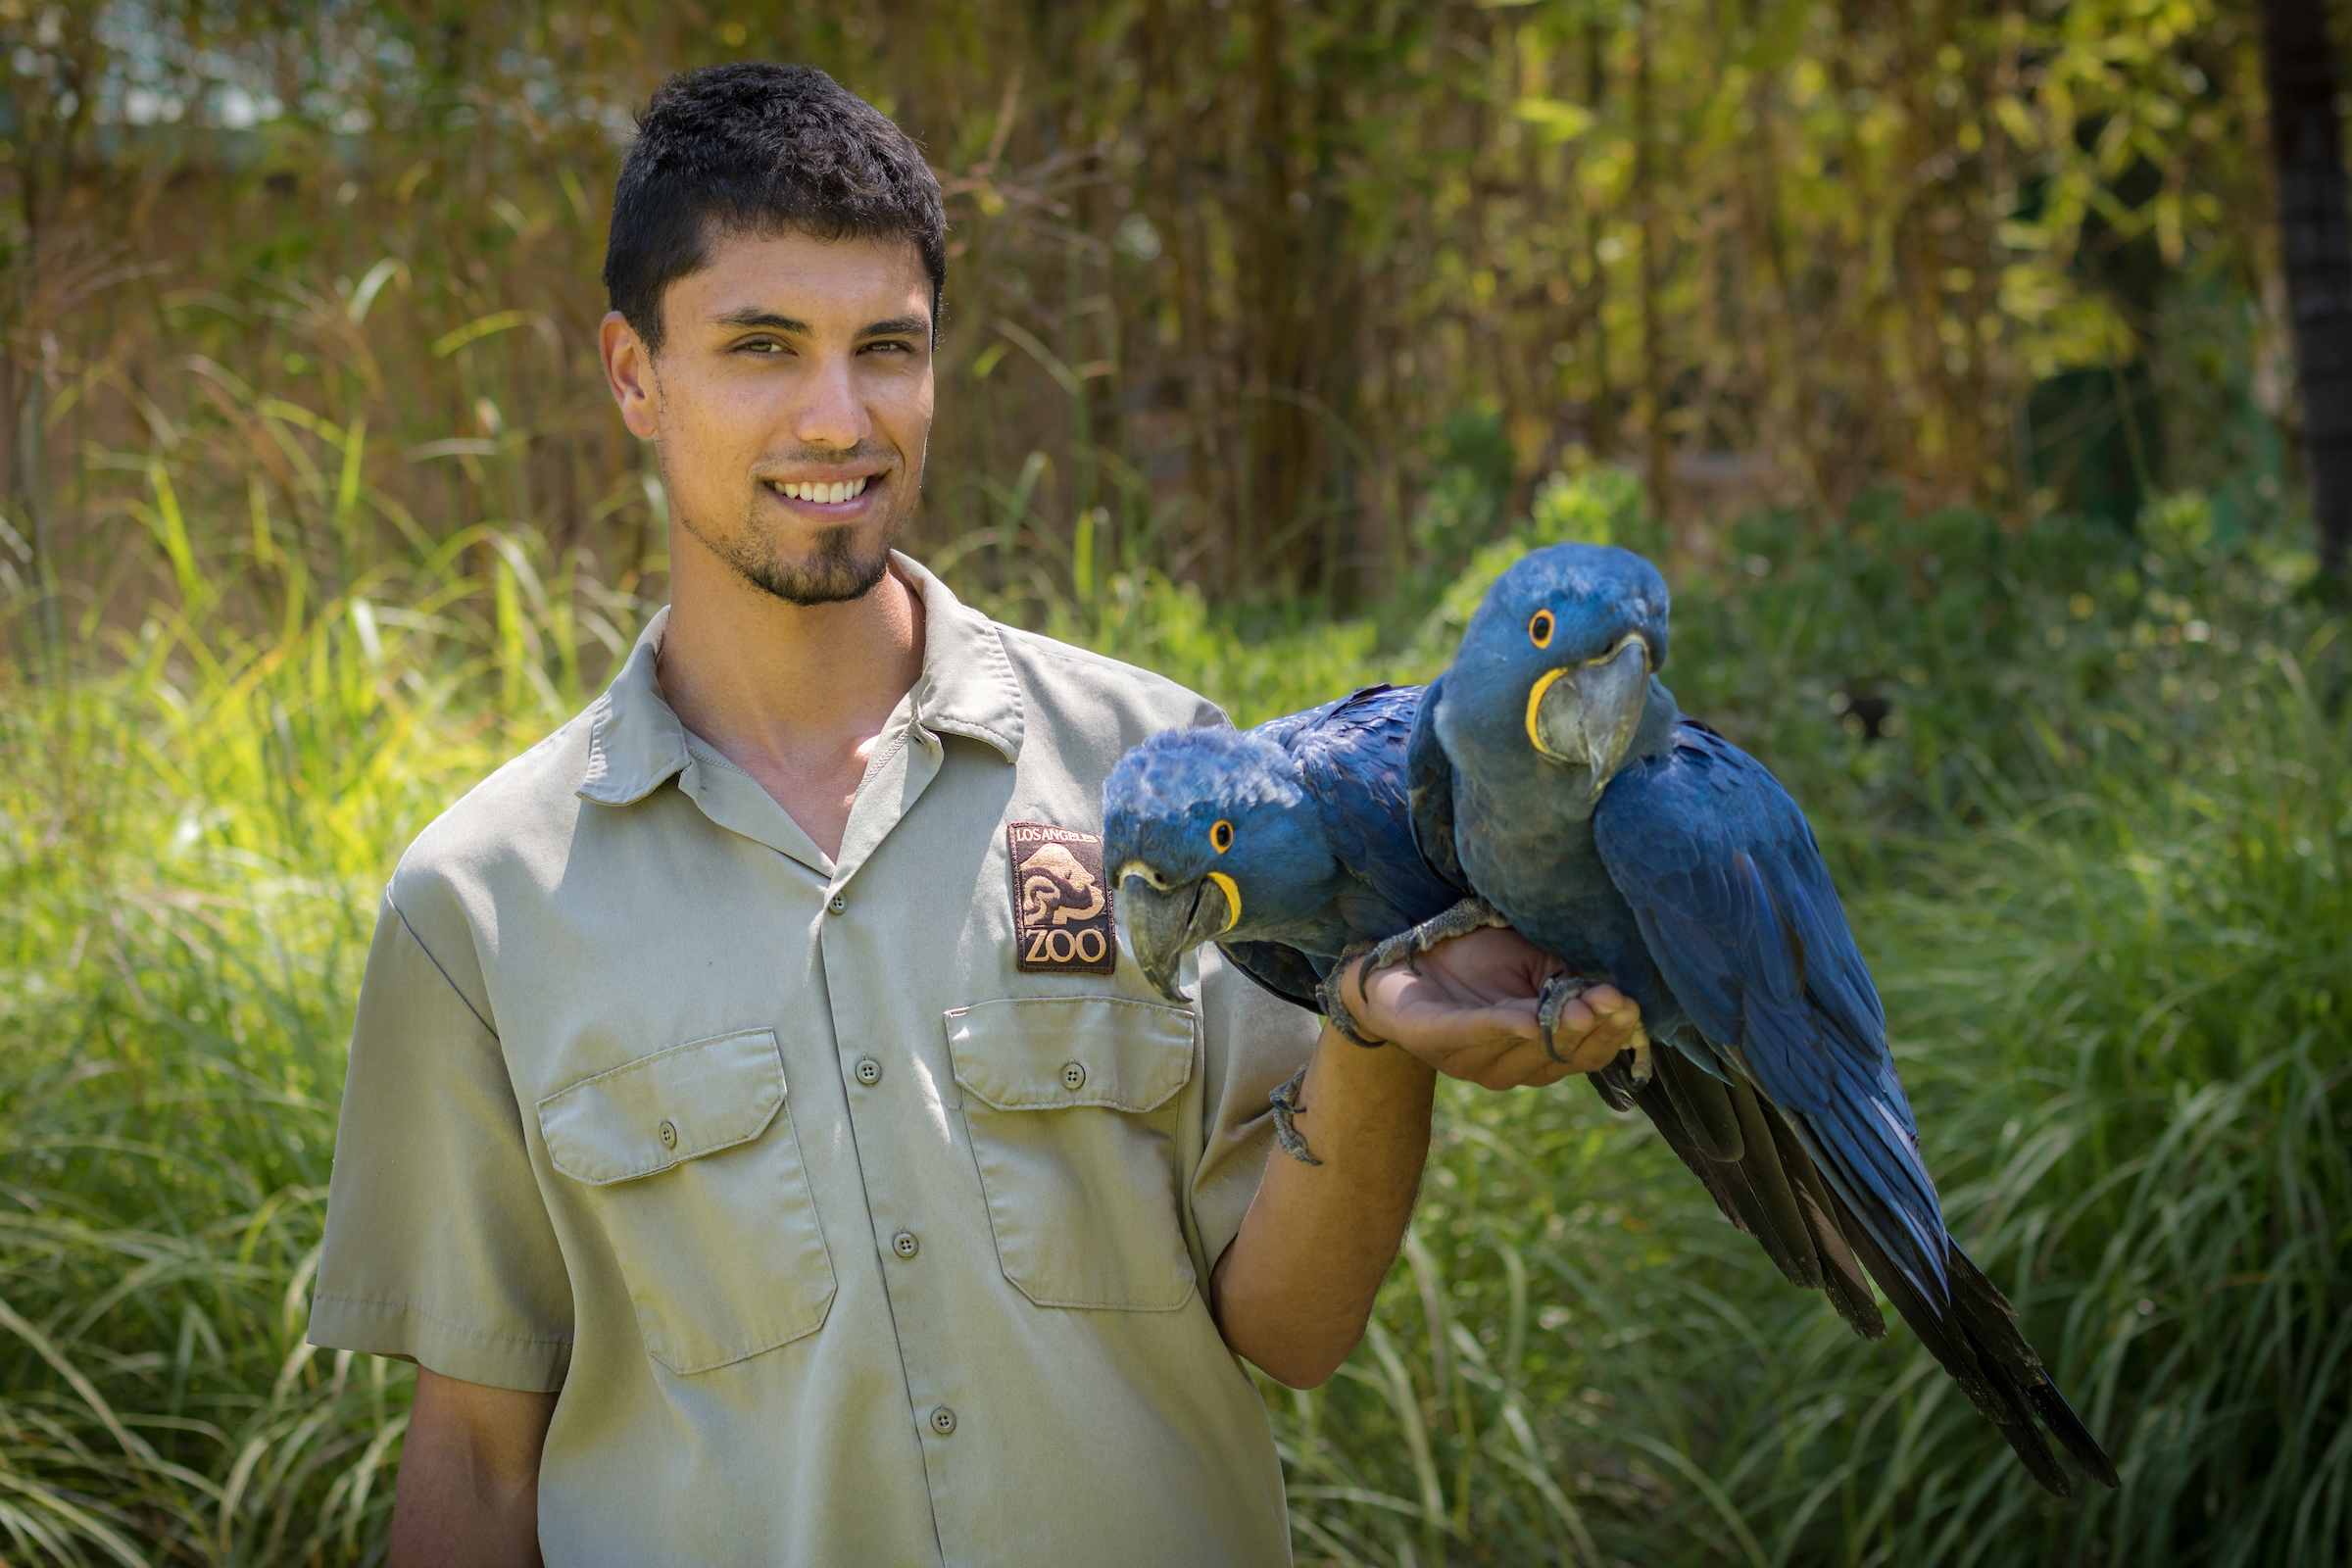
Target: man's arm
(1294, 1290)
(468, 1495)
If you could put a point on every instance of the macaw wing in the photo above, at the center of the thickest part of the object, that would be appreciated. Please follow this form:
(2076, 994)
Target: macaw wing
(1739, 915)
(1429, 786)
(1352, 757)
(1283, 970)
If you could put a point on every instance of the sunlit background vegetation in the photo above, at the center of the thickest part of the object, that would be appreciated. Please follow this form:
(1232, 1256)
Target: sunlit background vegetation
(1936, 351)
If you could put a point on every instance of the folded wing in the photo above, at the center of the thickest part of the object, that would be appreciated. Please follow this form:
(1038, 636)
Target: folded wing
(1738, 913)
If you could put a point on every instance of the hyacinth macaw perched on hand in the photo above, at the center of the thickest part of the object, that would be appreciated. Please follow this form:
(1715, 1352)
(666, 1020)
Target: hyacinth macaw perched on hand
(1288, 844)
(1553, 773)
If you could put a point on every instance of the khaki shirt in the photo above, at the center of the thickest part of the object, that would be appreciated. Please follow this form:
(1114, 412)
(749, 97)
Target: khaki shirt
(846, 1238)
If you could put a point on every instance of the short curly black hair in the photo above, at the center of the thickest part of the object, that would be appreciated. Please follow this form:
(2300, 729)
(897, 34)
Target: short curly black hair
(763, 147)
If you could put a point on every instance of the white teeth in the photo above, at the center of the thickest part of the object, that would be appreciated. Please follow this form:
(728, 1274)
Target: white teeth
(832, 495)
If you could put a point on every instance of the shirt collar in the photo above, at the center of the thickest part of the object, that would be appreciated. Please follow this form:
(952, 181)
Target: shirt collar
(967, 687)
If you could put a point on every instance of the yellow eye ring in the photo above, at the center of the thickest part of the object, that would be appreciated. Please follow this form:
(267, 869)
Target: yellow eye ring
(1220, 836)
(1540, 627)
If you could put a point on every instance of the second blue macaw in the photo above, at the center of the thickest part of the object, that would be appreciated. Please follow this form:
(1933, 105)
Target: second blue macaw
(1553, 773)
(1288, 844)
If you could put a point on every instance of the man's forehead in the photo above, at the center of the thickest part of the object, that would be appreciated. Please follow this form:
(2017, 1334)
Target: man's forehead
(793, 276)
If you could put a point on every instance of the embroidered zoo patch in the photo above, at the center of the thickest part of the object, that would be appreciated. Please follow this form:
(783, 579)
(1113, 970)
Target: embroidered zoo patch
(1060, 904)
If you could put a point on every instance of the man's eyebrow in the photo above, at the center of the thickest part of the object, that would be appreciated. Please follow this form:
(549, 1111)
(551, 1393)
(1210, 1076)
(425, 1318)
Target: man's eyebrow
(754, 316)
(896, 327)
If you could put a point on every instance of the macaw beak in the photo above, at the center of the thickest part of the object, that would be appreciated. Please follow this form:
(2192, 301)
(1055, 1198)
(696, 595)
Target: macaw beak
(1163, 924)
(1586, 716)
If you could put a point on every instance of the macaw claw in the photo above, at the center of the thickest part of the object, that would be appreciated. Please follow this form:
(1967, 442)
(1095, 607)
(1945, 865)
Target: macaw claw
(1334, 1001)
(1407, 946)
(1645, 1068)
(1558, 990)
(1285, 1131)
(1557, 993)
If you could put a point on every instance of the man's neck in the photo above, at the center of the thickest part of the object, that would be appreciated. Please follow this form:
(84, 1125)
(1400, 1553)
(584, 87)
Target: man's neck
(795, 695)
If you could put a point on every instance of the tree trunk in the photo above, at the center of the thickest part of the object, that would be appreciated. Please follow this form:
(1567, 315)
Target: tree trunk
(1646, 202)
(1604, 406)
(2316, 242)
(1279, 539)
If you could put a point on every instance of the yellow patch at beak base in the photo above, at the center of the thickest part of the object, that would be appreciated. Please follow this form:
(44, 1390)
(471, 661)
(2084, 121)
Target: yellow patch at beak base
(1233, 897)
(1534, 697)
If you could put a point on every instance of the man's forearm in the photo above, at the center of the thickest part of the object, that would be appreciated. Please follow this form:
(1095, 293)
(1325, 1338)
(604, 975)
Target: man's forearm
(1294, 1290)
(468, 1492)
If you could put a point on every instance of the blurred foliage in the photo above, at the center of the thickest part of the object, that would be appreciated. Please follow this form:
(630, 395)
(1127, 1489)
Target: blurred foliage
(2086, 795)
(1254, 294)
(1934, 348)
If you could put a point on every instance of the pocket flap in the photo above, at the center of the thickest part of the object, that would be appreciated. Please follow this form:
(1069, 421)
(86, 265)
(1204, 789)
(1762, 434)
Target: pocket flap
(649, 1115)
(1046, 1052)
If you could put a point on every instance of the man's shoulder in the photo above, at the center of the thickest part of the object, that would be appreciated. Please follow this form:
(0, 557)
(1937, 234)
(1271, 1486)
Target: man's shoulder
(1063, 674)
(514, 821)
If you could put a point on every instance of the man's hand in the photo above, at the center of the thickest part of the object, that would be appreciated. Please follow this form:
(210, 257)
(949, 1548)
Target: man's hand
(1295, 1289)
(1470, 1012)
(468, 1494)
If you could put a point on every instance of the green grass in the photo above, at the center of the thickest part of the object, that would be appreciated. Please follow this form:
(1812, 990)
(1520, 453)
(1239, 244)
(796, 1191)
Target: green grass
(2098, 860)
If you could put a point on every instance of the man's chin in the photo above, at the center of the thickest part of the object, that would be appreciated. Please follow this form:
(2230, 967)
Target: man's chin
(835, 573)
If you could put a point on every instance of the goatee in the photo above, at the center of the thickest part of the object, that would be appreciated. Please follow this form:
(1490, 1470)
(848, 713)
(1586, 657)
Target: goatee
(833, 572)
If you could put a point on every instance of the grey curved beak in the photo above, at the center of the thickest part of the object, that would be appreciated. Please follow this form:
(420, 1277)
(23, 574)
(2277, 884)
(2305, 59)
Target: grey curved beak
(1588, 717)
(1163, 924)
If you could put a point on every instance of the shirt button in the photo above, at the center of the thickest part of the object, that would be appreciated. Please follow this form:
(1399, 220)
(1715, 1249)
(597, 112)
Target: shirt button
(669, 1133)
(1074, 1076)
(837, 902)
(869, 1073)
(942, 1420)
(904, 1244)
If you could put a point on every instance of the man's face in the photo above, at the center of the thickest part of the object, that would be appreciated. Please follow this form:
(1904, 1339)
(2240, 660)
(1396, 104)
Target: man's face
(793, 370)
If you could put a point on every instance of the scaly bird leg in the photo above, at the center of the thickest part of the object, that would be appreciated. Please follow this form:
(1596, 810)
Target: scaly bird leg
(1335, 1004)
(1557, 993)
(1558, 990)
(1403, 948)
(1405, 945)
(1285, 1131)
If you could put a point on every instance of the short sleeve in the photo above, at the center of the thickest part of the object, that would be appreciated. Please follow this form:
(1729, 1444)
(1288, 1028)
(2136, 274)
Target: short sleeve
(1252, 1043)
(438, 1244)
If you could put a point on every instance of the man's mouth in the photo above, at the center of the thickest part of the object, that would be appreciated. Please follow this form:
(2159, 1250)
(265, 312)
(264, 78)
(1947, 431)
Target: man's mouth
(842, 493)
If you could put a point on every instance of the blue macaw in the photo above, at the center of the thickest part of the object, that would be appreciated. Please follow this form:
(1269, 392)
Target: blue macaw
(1288, 844)
(1553, 773)
(1292, 847)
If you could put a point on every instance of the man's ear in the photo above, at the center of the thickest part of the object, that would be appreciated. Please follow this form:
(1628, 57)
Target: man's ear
(629, 371)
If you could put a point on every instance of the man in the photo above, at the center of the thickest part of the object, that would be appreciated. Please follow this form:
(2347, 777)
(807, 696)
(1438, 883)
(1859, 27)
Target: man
(747, 1185)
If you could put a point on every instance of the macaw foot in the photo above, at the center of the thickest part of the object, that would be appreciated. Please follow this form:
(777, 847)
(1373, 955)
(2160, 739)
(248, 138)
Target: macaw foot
(1643, 1069)
(1285, 1131)
(1405, 945)
(1558, 990)
(1335, 1006)
(1633, 1065)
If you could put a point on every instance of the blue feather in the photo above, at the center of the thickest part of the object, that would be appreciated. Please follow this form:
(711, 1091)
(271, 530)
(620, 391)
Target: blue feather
(1637, 845)
(1321, 846)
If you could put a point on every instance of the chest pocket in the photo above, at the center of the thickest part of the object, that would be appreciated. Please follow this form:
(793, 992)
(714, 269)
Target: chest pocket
(1075, 1107)
(690, 1167)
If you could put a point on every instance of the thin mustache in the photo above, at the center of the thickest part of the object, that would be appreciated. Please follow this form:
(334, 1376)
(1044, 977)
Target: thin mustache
(818, 458)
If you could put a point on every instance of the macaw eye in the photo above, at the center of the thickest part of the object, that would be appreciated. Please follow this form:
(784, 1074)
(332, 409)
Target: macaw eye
(1220, 836)
(1538, 628)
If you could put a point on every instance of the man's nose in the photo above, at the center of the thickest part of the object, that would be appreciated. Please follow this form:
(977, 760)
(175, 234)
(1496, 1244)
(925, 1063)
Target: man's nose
(832, 415)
